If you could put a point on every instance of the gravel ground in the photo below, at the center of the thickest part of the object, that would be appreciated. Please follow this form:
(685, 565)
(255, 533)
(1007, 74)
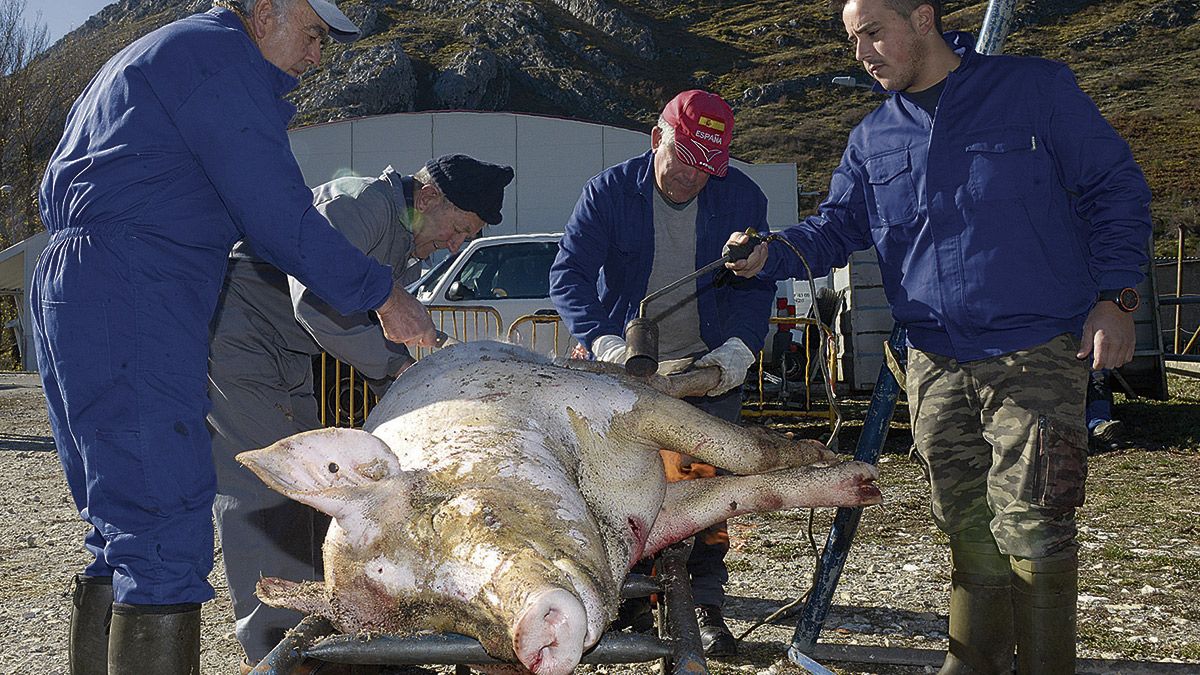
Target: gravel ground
(1141, 563)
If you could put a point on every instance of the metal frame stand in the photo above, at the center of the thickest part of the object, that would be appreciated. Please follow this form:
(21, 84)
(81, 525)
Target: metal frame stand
(845, 523)
(678, 649)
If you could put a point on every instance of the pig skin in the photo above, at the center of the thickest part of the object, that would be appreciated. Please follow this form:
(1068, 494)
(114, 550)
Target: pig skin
(499, 495)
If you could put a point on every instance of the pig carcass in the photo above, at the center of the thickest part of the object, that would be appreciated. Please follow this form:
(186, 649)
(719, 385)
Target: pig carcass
(499, 495)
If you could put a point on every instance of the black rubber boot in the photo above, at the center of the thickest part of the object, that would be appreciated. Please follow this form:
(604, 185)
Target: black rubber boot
(1044, 595)
(981, 618)
(91, 614)
(161, 639)
(715, 636)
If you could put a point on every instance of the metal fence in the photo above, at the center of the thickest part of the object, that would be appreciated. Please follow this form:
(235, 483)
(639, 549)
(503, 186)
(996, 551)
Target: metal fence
(346, 397)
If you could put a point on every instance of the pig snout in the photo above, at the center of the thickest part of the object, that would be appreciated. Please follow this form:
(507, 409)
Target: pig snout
(549, 634)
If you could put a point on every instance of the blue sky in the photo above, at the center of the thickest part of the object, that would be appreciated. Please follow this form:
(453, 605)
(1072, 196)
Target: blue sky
(62, 16)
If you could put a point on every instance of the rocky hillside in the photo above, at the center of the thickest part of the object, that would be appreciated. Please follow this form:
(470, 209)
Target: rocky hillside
(617, 62)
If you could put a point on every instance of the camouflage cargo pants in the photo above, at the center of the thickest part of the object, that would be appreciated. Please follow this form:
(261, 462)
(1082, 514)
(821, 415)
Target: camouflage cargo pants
(1004, 442)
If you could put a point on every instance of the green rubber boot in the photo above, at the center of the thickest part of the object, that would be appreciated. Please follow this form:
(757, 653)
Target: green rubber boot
(160, 639)
(981, 618)
(1044, 595)
(91, 613)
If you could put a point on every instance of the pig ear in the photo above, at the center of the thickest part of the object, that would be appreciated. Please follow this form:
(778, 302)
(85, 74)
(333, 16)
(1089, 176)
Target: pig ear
(307, 465)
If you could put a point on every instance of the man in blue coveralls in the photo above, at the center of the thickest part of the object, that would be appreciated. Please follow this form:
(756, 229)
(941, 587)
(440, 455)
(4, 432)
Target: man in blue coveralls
(637, 227)
(174, 151)
(1011, 224)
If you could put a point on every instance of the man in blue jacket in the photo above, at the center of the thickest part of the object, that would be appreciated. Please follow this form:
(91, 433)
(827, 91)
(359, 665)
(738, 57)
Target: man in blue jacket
(176, 149)
(637, 227)
(1011, 223)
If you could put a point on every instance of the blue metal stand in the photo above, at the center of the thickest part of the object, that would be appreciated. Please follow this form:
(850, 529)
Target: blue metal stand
(845, 523)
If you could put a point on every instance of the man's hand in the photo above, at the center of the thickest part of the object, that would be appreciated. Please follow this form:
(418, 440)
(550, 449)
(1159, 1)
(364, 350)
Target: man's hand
(733, 358)
(751, 265)
(405, 320)
(1108, 336)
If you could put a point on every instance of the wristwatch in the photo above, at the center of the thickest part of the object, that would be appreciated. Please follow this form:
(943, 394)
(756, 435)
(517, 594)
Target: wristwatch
(1126, 299)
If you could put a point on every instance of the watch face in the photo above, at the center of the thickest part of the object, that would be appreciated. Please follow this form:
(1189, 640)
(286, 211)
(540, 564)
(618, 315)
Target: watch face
(1128, 299)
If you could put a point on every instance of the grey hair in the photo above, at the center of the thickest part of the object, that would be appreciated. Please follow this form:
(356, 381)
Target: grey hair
(668, 131)
(281, 7)
(423, 177)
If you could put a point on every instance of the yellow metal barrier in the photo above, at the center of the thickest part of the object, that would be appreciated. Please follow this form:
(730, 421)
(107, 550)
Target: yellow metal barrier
(465, 324)
(811, 326)
(349, 403)
(552, 340)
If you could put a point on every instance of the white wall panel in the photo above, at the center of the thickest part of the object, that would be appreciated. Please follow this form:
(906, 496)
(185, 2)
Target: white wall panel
(555, 157)
(402, 141)
(487, 136)
(323, 151)
(778, 182)
(621, 144)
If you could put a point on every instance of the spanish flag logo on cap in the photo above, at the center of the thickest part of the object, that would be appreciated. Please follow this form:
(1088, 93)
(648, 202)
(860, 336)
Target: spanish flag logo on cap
(715, 125)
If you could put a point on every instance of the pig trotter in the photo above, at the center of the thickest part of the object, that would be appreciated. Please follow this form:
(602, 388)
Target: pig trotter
(308, 596)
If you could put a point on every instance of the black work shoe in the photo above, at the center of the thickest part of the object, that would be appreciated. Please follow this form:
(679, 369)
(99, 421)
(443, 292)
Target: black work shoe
(1106, 436)
(715, 637)
(636, 615)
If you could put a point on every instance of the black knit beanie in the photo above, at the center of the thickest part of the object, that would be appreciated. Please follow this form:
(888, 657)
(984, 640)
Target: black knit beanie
(472, 185)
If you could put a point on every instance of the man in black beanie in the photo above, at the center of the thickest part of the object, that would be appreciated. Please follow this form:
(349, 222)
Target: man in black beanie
(266, 330)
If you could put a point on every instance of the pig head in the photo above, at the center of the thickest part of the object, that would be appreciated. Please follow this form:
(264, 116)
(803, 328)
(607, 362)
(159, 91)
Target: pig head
(495, 494)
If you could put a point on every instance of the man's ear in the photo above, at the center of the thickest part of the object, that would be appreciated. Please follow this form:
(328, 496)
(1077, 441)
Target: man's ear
(426, 197)
(262, 17)
(922, 19)
(655, 137)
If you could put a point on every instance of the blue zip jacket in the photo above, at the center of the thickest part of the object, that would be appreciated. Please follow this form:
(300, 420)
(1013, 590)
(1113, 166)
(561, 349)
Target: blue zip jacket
(998, 221)
(181, 141)
(607, 251)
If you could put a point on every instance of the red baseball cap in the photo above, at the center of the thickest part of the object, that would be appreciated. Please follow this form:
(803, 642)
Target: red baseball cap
(703, 125)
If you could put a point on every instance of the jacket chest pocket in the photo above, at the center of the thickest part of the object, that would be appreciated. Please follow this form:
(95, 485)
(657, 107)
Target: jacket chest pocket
(1006, 164)
(891, 180)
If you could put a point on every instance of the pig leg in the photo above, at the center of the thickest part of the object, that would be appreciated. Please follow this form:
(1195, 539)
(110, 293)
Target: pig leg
(691, 506)
(675, 425)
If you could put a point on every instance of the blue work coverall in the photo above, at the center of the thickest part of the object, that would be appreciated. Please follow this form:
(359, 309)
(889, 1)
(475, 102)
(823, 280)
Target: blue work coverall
(174, 151)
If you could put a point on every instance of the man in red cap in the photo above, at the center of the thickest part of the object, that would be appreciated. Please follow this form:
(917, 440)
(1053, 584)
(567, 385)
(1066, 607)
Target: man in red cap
(637, 227)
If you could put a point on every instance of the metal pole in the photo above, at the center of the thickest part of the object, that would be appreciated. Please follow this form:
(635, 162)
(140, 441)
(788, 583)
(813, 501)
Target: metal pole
(687, 655)
(845, 523)
(996, 24)
(1178, 286)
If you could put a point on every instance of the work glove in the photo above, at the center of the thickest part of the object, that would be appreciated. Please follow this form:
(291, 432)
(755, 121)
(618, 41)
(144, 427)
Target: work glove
(733, 358)
(609, 348)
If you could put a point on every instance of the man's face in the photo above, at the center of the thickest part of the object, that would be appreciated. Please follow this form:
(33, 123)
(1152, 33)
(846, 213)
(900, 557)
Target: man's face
(440, 224)
(888, 45)
(292, 43)
(676, 180)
